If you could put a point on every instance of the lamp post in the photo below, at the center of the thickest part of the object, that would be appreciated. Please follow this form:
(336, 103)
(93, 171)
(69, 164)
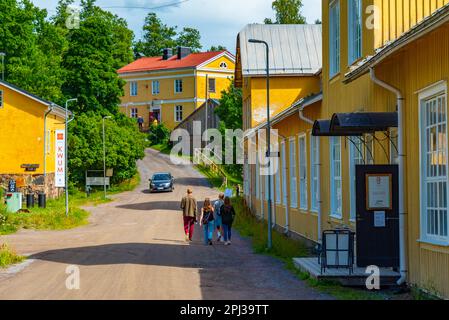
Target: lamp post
(104, 156)
(2, 54)
(67, 121)
(270, 242)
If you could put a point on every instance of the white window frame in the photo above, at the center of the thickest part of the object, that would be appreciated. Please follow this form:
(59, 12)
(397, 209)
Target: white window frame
(133, 89)
(314, 170)
(48, 142)
(178, 86)
(209, 87)
(355, 158)
(334, 37)
(433, 92)
(179, 110)
(293, 174)
(303, 172)
(257, 176)
(336, 208)
(354, 30)
(1, 99)
(134, 113)
(155, 87)
(369, 149)
(278, 183)
(284, 173)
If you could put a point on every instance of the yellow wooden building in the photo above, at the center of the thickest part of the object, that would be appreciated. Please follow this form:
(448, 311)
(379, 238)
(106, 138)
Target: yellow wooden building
(388, 56)
(169, 88)
(27, 139)
(295, 83)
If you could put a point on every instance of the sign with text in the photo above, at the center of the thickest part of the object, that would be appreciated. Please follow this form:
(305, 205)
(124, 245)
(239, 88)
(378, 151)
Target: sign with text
(60, 159)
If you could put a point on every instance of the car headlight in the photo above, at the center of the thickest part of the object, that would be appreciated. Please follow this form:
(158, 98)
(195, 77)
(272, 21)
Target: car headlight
(167, 185)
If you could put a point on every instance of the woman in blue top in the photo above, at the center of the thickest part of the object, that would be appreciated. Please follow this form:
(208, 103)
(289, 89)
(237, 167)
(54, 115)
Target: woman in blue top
(207, 221)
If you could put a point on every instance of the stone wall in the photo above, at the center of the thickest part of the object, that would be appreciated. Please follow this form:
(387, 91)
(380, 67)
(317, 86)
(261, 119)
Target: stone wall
(27, 183)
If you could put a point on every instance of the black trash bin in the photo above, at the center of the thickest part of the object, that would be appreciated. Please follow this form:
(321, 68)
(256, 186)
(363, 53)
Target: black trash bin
(42, 200)
(30, 200)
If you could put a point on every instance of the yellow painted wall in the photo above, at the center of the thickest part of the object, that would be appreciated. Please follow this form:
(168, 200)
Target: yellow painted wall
(22, 134)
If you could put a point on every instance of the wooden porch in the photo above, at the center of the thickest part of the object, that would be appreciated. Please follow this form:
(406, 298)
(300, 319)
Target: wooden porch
(388, 277)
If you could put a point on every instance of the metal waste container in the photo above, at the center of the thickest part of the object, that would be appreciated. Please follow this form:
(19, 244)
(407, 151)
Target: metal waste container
(30, 200)
(13, 201)
(42, 200)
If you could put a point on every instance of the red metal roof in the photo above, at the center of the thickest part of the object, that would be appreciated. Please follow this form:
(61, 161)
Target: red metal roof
(157, 63)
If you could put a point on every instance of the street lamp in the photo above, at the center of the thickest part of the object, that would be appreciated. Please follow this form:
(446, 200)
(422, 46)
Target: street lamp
(104, 156)
(270, 241)
(2, 54)
(67, 121)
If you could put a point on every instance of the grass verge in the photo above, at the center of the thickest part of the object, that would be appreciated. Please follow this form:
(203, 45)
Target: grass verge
(285, 249)
(53, 217)
(216, 179)
(8, 256)
(162, 148)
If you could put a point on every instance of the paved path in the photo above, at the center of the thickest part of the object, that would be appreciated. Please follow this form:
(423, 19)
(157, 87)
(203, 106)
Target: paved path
(134, 249)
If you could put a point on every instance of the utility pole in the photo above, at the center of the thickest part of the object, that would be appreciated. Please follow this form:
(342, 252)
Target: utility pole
(270, 208)
(104, 156)
(67, 121)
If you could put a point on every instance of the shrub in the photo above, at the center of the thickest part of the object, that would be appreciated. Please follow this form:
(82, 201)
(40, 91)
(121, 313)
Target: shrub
(158, 134)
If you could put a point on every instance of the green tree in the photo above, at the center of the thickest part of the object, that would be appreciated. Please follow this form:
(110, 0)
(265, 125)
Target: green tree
(230, 112)
(191, 38)
(33, 49)
(217, 48)
(96, 50)
(124, 146)
(158, 134)
(157, 36)
(287, 12)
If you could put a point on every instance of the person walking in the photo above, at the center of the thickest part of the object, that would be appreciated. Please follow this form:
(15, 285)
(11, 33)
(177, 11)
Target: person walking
(227, 216)
(217, 215)
(189, 210)
(207, 221)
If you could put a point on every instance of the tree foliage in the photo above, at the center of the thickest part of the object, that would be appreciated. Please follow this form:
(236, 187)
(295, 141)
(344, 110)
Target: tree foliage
(158, 134)
(217, 48)
(158, 36)
(124, 146)
(287, 12)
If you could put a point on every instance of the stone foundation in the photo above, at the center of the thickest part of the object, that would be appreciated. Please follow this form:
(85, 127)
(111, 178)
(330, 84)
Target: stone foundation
(27, 183)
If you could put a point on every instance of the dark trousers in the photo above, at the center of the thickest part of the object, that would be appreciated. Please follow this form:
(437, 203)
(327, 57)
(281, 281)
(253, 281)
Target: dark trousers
(227, 232)
(189, 225)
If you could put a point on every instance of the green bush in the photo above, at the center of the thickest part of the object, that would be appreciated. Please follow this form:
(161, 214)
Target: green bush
(124, 146)
(158, 134)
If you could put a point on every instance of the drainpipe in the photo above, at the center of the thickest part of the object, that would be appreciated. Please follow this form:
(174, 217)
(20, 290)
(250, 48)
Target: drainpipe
(50, 109)
(310, 121)
(402, 213)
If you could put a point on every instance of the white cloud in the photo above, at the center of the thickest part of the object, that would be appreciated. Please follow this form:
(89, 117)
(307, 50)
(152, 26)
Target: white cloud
(218, 21)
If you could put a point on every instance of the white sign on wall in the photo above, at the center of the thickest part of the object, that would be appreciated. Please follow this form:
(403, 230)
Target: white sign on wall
(60, 159)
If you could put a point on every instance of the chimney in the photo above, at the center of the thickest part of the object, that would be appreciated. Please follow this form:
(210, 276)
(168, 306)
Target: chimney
(168, 53)
(183, 52)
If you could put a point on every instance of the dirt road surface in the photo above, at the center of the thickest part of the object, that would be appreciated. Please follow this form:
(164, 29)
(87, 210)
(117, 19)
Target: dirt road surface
(134, 248)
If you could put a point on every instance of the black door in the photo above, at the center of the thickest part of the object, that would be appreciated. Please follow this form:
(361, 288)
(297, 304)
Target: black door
(377, 228)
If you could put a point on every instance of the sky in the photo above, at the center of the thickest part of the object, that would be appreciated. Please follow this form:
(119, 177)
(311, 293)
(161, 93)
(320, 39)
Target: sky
(219, 22)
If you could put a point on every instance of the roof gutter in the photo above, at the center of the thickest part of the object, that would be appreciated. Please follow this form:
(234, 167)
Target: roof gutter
(402, 213)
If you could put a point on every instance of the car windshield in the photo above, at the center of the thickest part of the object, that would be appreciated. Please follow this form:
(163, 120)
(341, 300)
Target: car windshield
(161, 177)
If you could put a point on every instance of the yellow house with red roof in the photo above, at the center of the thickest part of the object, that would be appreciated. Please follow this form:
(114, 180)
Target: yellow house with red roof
(169, 88)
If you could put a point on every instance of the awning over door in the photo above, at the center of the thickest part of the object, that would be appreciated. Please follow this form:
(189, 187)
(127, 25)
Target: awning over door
(355, 124)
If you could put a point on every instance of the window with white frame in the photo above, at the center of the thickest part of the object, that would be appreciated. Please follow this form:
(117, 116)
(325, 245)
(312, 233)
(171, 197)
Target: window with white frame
(257, 176)
(284, 173)
(336, 187)
(278, 183)
(178, 86)
(303, 201)
(293, 179)
(133, 88)
(334, 37)
(314, 167)
(355, 158)
(354, 30)
(178, 113)
(211, 85)
(394, 154)
(434, 165)
(1, 99)
(134, 113)
(156, 87)
(369, 149)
